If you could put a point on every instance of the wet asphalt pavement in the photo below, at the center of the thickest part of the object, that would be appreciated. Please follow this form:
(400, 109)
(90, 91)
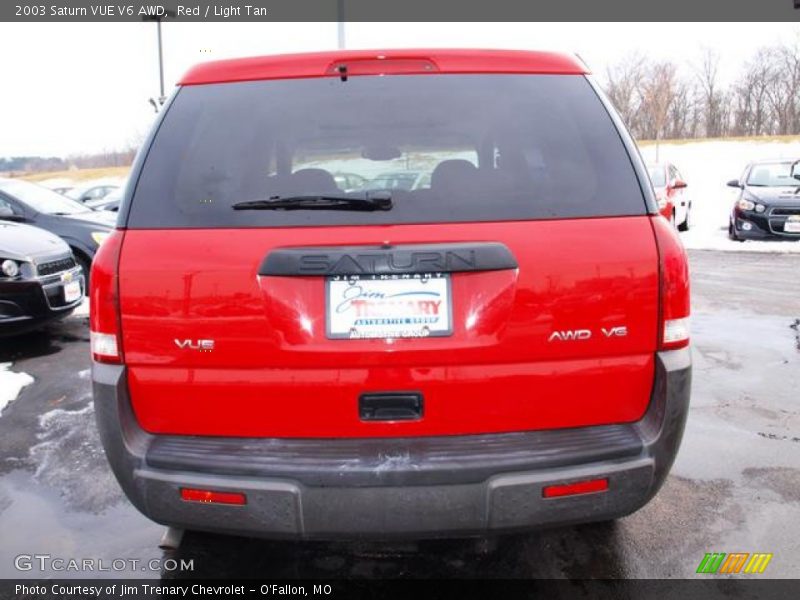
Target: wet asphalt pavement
(735, 486)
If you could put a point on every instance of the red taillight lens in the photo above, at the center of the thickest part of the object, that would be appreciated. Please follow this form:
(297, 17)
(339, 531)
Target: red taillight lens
(674, 277)
(104, 320)
(591, 486)
(212, 497)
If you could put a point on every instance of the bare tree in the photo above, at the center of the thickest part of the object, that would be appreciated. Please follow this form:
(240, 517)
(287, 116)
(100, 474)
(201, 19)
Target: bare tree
(658, 102)
(714, 97)
(784, 92)
(682, 120)
(622, 88)
(752, 114)
(658, 92)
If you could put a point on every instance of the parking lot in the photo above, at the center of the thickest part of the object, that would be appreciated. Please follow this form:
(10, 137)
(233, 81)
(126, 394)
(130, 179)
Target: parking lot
(735, 486)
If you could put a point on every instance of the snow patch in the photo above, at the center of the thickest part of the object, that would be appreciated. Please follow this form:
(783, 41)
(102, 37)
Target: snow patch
(69, 457)
(58, 416)
(11, 384)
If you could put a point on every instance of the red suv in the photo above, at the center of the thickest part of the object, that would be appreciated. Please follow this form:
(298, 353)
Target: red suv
(504, 346)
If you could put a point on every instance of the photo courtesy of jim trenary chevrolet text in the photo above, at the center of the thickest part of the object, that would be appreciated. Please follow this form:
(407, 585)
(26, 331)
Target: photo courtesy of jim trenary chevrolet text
(371, 298)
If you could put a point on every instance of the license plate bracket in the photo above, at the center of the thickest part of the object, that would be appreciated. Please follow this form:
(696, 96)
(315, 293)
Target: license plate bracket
(414, 305)
(72, 291)
(792, 225)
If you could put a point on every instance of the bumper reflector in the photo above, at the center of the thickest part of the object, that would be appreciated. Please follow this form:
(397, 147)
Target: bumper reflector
(212, 497)
(574, 489)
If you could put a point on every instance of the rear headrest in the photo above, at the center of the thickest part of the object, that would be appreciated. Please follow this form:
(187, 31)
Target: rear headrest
(313, 181)
(452, 173)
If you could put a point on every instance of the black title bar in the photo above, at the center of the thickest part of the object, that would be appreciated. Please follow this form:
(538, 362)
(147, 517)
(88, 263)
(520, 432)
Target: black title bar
(701, 588)
(402, 10)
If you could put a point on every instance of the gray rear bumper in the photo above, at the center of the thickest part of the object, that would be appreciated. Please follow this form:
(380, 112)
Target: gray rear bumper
(410, 487)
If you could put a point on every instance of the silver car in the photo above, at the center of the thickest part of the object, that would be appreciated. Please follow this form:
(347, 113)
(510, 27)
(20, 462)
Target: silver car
(40, 279)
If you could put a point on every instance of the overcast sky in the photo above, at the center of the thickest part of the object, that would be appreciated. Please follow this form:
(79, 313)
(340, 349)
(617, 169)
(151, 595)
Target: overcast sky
(83, 87)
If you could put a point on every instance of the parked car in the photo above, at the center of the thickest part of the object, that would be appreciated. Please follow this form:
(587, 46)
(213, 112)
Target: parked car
(39, 278)
(60, 185)
(110, 203)
(673, 200)
(504, 350)
(92, 191)
(767, 205)
(399, 180)
(80, 227)
(349, 181)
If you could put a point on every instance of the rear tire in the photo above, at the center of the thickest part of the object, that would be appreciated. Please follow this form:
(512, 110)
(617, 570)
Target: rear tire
(85, 264)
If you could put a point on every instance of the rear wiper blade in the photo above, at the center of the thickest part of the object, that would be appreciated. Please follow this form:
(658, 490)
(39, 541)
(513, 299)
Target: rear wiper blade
(319, 202)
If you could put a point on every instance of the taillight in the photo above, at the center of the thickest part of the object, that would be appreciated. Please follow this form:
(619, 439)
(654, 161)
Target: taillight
(104, 319)
(674, 287)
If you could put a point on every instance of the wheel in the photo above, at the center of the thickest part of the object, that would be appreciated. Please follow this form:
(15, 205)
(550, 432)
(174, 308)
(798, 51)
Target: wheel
(732, 233)
(85, 264)
(686, 222)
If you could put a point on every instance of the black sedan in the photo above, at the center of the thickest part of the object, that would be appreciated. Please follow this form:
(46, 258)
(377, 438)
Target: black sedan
(39, 278)
(82, 228)
(768, 204)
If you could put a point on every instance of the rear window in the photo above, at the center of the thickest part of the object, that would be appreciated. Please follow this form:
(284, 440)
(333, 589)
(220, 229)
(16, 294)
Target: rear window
(449, 148)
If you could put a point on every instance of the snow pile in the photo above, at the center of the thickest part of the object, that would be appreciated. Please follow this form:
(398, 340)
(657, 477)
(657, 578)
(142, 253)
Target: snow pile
(11, 384)
(707, 167)
(69, 457)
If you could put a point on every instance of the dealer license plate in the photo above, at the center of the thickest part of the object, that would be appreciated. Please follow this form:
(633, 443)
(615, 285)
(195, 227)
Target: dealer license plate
(72, 291)
(389, 306)
(792, 225)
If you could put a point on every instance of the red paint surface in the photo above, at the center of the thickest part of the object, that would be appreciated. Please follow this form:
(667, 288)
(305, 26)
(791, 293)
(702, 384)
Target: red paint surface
(365, 62)
(274, 373)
